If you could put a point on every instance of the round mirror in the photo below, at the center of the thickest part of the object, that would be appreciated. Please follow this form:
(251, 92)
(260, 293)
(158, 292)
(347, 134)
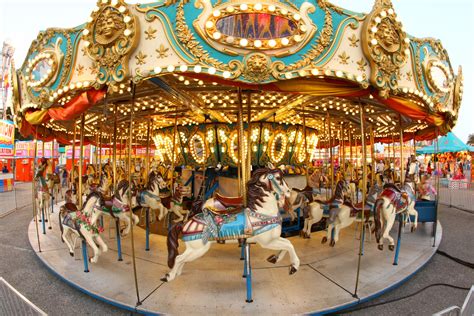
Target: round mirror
(197, 148)
(278, 147)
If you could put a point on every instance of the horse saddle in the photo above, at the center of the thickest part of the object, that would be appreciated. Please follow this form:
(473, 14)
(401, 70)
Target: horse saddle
(396, 196)
(108, 201)
(70, 207)
(358, 207)
(226, 205)
(307, 192)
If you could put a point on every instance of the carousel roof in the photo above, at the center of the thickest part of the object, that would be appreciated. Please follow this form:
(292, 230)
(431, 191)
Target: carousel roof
(194, 62)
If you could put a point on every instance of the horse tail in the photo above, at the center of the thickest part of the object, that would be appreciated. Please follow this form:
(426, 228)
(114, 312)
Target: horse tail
(377, 218)
(172, 243)
(61, 222)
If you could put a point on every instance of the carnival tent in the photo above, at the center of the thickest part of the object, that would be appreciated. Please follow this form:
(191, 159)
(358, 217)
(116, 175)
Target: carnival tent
(447, 143)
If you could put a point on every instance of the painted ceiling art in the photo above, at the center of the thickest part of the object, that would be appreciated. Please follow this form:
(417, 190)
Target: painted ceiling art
(192, 62)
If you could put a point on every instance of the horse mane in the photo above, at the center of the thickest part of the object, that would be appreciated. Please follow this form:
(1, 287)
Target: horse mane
(96, 195)
(256, 190)
(121, 188)
(151, 179)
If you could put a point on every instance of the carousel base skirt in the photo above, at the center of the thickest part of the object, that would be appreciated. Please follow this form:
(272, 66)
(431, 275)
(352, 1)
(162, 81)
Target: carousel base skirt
(213, 284)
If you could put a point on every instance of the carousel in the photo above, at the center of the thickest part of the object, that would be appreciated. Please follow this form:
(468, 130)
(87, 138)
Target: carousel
(262, 117)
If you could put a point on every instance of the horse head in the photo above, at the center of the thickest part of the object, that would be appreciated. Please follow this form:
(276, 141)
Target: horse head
(268, 180)
(342, 190)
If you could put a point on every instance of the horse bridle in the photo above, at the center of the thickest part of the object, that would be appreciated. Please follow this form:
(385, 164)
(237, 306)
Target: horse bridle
(277, 190)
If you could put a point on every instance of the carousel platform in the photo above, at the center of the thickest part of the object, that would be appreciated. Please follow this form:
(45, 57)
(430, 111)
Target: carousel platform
(214, 285)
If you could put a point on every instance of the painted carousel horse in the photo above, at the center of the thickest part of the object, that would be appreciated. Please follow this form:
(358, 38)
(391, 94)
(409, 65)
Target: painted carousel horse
(225, 219)
(176, 204)
(81, 223)
(90, 180)
(393, 201)
(43, 195)
(312, 211)
(150, 195)
(54, 183)
(340, 214)
(118, 207)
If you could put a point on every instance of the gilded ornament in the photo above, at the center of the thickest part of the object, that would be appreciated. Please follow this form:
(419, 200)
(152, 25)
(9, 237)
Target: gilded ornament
(409, 76)
(316, 49)
(362, 63)
(458, 91)
(385, 45)
(80, 69)
(109, 39)
(162, 51)
(354, 41)
(256, 67)
(343, 58)
(141, 57)
(150, 33)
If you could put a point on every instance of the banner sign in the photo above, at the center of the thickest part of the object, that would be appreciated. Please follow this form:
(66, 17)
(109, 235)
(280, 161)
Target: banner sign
(7, 138)
(86, 153)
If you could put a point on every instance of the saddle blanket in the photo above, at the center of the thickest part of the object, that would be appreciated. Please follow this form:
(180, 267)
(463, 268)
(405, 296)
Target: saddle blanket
(209, 226)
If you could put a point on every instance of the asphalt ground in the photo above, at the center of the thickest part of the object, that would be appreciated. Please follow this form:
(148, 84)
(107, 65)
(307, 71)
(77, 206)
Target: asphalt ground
(23, 270)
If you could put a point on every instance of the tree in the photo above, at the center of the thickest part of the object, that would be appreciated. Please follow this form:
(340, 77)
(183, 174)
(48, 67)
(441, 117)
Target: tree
(470, 139)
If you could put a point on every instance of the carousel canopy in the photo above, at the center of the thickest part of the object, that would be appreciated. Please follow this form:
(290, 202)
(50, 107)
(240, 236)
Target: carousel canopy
(192, 63)
(449, 143)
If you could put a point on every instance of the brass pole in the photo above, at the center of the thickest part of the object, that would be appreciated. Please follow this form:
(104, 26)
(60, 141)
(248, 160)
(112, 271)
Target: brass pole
(305, 144)
(147, 159)
(372, 154)
(327, 154)
(249, 141)
(351, 165)
(240, 131)
(97, 150)
(402, 167)
(34, 195)
(342, 147)
(331, 153)
(72, 176)
(130, 138)
(364, 188)
(173, 162)
(114, 154)
(81, 160)
(100, 151)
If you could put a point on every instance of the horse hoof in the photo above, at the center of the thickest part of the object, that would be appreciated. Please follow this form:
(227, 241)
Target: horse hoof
(165, 278)
(272, 259)
(391, 247)
(324, 240)
(413, 228)
(332, 243)
(293, 270)
(380, 247)
(50, 227)
(72, 254)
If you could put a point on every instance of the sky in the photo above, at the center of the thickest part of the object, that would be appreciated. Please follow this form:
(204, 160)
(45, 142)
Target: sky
(452, 21)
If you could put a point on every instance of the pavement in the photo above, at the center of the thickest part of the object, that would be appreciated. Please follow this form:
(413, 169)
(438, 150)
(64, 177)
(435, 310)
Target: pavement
(18, 198)
(20, 267)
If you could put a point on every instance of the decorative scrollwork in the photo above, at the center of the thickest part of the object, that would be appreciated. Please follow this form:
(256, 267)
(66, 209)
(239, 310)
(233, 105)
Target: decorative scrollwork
(110, 37)
(385, 45)
(316, 49)
(257, 67)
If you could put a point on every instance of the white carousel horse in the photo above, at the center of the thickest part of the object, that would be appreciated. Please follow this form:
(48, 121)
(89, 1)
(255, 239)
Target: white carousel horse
(43, 195)
(393, 201)
(222, 219)
(176, 204)
(80, 223)
(312, 212)
(54, 184)
(118, 207)
(150, 195)
(340, 214)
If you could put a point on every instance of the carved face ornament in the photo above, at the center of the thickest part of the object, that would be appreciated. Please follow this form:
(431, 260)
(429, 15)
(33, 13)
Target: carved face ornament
(388, 36)
(109, 26)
